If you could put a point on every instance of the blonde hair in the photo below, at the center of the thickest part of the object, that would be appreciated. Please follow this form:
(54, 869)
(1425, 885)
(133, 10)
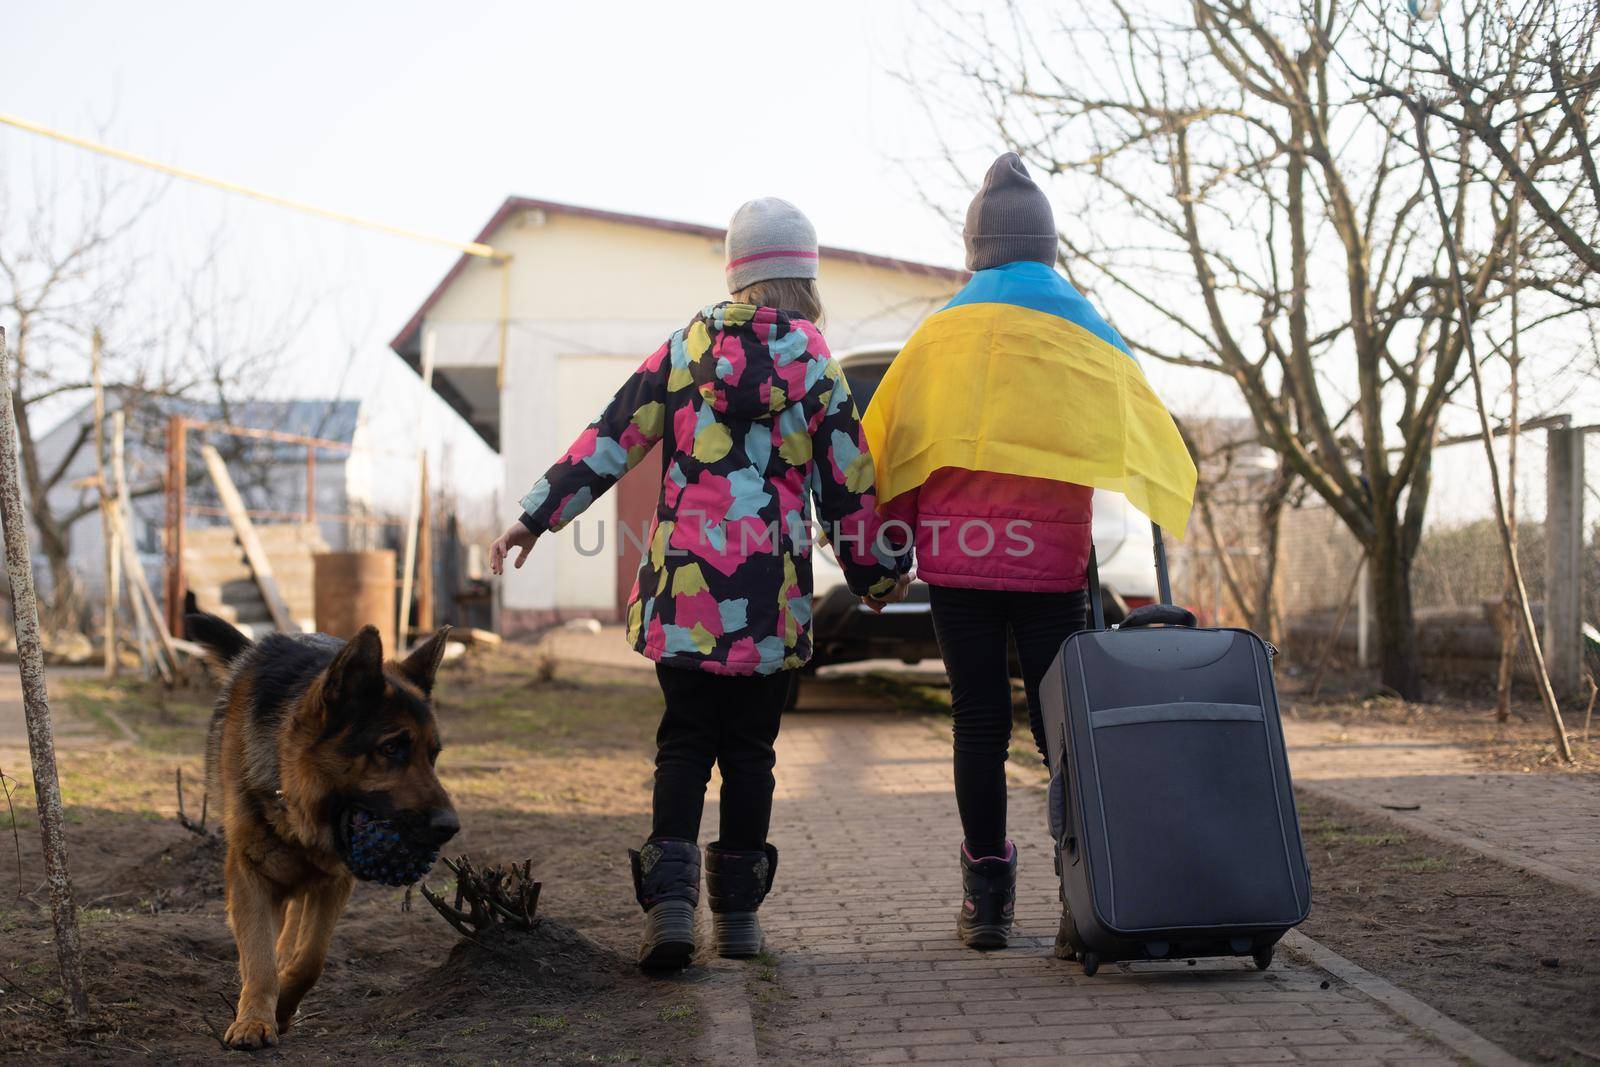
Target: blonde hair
(796, 295)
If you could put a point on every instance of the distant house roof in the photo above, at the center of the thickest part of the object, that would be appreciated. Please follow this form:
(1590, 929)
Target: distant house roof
(407, 344)
(331, 420)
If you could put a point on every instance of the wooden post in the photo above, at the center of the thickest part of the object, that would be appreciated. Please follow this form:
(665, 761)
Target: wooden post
(311, 484)
(177, 490)
(408, 560)
(108, 527)
(141, 601)
(424, 561)
(1563, 531)
(36, 705)
(1364, 618)
(254, 553)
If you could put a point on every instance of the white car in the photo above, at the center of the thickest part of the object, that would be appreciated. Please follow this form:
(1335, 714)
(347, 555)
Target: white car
(844, 630)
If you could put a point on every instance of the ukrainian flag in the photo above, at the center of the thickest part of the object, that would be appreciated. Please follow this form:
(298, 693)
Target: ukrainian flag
(1020, 375)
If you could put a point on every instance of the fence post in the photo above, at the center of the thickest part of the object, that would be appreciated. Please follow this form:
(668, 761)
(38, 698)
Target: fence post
(36, 707)
(1563, 587)
(1363, 615)
(177, 489)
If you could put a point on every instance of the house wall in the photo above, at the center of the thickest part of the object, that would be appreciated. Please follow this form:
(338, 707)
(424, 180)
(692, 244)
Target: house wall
(589, 300)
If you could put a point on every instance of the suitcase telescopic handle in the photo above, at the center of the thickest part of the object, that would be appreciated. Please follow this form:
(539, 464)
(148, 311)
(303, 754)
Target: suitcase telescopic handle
(1164, 612)
(1163, 583)
(1097, 608)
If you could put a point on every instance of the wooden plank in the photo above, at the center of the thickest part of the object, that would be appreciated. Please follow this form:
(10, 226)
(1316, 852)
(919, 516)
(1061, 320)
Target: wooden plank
(245, 530)
(141, 600)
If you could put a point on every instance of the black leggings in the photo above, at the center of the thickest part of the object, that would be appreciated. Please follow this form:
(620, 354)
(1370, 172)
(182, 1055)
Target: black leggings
(729, 720)
(971, 625)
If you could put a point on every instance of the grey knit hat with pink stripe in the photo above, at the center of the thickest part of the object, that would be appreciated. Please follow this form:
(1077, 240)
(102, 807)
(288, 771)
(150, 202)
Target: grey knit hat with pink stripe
(770, 238)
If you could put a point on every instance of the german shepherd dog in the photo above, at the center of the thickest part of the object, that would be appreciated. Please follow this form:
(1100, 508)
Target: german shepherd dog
(323, 757)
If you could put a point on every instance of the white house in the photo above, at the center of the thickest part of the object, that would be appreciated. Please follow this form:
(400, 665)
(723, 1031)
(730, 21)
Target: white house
(529, 351)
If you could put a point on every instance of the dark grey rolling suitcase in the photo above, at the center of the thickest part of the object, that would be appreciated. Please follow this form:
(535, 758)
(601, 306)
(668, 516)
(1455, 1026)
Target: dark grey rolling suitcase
(1170, 805)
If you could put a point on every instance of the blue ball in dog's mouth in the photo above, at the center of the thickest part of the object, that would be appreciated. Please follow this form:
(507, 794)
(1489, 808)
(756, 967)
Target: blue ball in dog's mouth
(379, 851)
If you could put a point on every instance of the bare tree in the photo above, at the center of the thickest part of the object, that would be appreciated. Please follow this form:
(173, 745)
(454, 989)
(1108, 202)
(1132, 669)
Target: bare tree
(71, 264)
(1514, 70)
(1251, 206)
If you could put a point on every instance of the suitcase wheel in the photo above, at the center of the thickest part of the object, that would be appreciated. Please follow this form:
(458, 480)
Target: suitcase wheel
(1091, 963)
(1263, 957)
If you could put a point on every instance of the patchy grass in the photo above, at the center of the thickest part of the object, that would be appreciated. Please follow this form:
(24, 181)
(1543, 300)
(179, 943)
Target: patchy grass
(1330, 832)
(1417, 866)
(542, 761)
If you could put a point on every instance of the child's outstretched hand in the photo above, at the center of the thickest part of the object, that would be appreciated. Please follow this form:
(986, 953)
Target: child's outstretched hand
(516, 536)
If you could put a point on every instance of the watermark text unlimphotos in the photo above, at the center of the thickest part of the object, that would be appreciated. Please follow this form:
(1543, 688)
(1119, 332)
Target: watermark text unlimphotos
(974, 538)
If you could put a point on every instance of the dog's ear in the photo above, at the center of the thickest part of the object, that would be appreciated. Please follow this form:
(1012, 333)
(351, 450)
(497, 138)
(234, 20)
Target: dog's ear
(354, 680)
(422, 666)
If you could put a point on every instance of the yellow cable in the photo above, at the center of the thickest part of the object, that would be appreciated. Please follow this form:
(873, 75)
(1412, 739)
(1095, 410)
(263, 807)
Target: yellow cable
(471, 248)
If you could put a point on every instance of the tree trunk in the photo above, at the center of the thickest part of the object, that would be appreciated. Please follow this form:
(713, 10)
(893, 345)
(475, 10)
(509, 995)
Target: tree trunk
(1399, 667)
(36, 711)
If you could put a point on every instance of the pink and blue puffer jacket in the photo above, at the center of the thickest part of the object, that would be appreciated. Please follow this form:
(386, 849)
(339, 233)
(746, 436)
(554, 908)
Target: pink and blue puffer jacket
(980, 530)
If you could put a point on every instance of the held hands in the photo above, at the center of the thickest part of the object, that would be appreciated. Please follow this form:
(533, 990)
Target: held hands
(516, 536)
(893, 596)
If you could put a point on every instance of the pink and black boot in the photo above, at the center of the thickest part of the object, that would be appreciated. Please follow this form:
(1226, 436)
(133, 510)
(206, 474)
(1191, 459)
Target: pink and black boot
(989, 898)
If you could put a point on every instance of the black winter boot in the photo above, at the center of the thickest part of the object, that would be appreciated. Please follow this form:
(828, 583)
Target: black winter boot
(666, 879)
(989, 898)
(738, 882)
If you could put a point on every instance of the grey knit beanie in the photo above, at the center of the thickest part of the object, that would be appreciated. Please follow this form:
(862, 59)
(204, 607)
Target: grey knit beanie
(1010, 219)
(769, 238)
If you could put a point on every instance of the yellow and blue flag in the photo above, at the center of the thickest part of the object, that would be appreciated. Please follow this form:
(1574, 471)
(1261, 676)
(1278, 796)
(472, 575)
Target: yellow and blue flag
(1019, 374)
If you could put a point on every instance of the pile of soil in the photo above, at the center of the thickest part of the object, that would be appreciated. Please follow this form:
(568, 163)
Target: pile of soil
(399, 985)
(547, 995)
(1506, 953)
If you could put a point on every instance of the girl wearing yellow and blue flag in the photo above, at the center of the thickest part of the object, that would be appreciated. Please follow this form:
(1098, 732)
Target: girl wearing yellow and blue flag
(990, 432)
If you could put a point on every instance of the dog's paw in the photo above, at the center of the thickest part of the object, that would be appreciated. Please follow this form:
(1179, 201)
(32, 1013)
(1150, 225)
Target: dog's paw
(251, 1033)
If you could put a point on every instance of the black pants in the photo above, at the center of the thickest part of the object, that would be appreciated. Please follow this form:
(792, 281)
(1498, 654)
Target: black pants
(729, 720)
(972, 625)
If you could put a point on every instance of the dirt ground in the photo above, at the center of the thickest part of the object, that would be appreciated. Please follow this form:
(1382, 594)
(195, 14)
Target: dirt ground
(554, 764)
(1461, 712)
(553, 768)
(1508, 954)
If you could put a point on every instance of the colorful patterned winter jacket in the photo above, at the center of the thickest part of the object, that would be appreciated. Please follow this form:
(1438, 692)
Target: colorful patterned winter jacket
(761, 424)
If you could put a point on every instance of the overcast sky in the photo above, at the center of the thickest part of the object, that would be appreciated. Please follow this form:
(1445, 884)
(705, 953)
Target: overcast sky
(428, 115)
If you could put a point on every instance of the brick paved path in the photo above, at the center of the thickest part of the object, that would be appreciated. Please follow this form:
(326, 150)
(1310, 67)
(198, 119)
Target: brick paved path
(1546, 822)
(863, 923)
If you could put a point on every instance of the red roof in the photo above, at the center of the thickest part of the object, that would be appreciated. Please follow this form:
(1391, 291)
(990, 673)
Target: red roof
(406, 343)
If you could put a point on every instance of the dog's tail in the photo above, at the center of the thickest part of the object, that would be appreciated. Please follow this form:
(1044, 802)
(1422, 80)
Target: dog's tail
(222, 642)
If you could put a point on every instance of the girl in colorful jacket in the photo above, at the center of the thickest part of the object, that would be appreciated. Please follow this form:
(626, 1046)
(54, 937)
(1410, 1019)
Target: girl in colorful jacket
(759, 425)
(991, 429)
